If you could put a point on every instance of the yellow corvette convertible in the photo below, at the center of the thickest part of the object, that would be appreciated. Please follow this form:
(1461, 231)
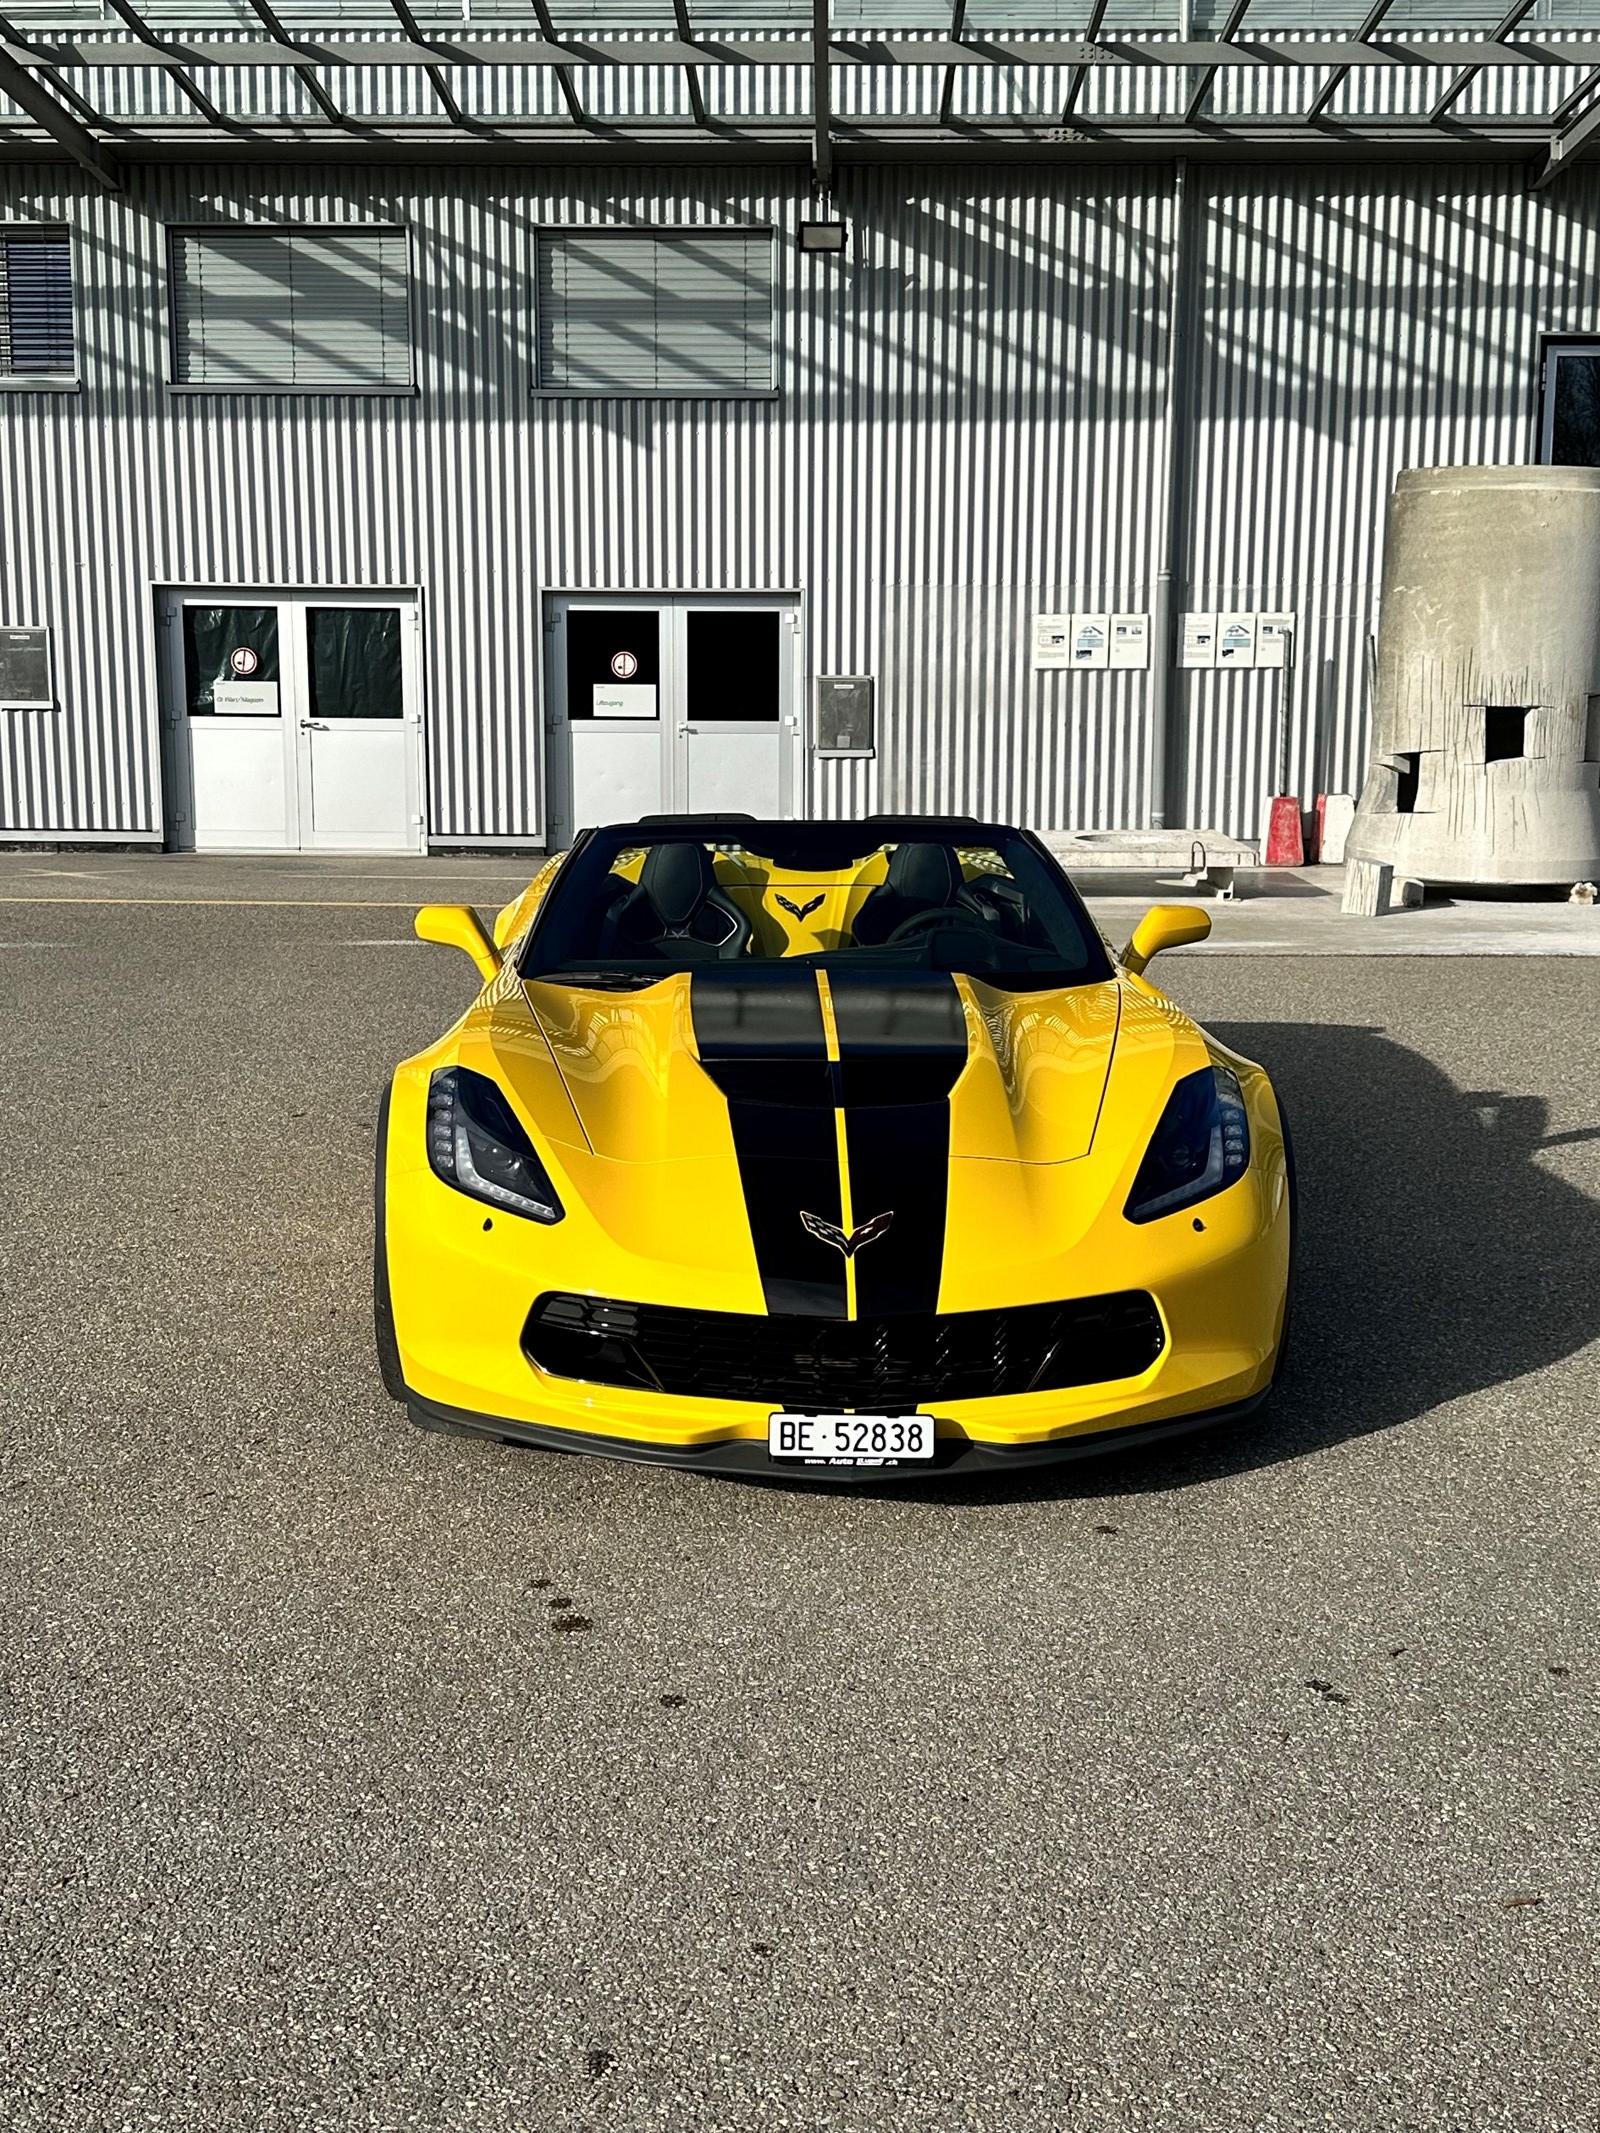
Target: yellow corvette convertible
(838, 1148)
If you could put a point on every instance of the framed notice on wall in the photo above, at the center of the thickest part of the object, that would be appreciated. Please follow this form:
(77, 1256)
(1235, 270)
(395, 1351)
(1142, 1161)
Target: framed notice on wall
(25, 680)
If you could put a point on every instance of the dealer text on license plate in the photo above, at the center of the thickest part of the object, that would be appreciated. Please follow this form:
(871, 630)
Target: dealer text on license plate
(850, 1440)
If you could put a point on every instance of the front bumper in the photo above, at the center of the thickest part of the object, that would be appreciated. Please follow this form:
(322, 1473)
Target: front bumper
(747, 1456)
(463, 1283)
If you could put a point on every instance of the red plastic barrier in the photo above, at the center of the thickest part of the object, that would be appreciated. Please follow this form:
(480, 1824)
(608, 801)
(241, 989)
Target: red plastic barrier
(1285, 845)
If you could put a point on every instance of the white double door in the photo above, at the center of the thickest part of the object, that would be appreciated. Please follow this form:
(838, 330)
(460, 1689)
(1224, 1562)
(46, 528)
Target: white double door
(680, 704)
(291, 722)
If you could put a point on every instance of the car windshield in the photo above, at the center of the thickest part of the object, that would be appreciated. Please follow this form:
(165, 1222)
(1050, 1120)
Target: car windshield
(637, 903)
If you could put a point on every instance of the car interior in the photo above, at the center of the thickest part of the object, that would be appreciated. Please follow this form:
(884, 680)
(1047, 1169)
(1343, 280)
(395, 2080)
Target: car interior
(940, 901)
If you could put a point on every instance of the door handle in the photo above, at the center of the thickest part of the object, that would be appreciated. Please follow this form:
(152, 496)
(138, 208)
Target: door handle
(682, 730)
(313, 725)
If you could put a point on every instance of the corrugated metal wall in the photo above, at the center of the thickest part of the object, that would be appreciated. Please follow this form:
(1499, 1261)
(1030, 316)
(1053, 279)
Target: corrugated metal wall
(969, 429)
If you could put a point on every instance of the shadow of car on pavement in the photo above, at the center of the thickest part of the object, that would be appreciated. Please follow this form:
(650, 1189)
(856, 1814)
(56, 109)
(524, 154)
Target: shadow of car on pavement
(1436, 1257)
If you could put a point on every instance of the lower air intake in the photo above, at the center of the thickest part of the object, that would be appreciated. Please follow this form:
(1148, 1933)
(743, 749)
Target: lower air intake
(871, 1365)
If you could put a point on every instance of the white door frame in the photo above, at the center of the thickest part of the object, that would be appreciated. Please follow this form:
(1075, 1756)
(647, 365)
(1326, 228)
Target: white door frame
(294, 713)
(670, 602)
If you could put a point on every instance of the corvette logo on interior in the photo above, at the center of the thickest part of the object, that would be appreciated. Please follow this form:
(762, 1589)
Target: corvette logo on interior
(863, 1233)
(799, 910)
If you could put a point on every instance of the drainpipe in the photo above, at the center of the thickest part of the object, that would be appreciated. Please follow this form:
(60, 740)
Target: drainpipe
(1161, 786)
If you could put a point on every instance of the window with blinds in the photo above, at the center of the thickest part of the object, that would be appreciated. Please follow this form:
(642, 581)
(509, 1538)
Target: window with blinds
(620, 313)
(35, 306)
(287, 310)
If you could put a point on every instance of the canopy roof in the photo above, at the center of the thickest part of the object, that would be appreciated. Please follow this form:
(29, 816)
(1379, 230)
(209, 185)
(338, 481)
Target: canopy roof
(795, 81)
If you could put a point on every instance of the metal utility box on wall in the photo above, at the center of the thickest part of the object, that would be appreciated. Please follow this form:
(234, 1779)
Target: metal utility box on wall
(25, 683)
(846, 715)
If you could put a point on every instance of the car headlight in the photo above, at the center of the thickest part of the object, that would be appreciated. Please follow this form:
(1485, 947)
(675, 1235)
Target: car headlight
(1201, 1147)
(476, 1143)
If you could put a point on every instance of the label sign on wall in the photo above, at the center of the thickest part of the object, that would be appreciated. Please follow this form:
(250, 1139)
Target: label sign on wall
(624, 699)
(1237, 640)
(1052, 639)
(845, 715)
(249, 699)
(1197, 645)
(25, 670)
(1090, 640)
(1130, 640)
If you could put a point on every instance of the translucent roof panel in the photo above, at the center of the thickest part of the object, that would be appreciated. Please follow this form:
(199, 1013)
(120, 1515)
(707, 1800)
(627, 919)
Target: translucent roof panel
(485, 69)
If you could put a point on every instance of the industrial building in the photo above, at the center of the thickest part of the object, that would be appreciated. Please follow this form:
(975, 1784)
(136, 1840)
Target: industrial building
(439, 426)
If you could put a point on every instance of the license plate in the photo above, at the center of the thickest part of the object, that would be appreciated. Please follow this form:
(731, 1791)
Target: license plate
(850, 1440)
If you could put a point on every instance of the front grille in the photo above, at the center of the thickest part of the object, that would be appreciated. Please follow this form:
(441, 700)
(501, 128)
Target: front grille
(871, 1365)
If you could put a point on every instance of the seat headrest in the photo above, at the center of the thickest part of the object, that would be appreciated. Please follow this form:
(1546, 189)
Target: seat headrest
(677, 879)
(924, 873)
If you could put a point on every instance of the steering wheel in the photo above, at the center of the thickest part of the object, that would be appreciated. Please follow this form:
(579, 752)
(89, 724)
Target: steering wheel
(935, 921)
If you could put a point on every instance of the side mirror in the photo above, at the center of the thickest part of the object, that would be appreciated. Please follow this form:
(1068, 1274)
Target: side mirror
(459, 926)
(1163, 926)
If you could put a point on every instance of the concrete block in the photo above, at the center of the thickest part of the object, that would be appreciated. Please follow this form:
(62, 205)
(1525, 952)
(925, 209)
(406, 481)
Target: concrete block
(1368, 887)
(1338, 812)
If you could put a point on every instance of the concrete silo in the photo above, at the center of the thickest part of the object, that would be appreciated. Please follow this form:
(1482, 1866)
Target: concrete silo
(1486, 714)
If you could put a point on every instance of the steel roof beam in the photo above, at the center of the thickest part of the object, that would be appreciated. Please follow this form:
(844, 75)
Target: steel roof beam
(947, 94)
(1572, 137)
(436, 81)
(1325, 95)
(552, 50)
(564, 81)
(303, 74)
(1502, 28)
(793, 141)
(697, 102)
(1571, 105)
(178, 75)
(1080, 74)
(1202, 90)
(68, 132)
(50, 112)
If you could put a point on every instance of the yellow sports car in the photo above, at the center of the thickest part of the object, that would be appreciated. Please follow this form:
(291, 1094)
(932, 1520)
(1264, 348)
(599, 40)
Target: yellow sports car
(845, 1148)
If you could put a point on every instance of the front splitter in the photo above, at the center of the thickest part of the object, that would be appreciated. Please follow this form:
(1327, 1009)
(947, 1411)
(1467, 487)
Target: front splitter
(747, 1457)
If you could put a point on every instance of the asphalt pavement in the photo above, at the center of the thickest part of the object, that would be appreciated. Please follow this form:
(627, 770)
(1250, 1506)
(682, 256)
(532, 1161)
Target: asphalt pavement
(358, 1778)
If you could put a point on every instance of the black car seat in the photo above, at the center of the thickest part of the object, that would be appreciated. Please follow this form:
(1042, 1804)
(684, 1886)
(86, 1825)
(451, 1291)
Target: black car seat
(677, 909)
(921, 877)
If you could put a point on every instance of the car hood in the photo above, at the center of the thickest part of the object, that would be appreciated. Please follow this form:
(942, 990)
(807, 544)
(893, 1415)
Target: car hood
(807, 1142)
(654, 1076)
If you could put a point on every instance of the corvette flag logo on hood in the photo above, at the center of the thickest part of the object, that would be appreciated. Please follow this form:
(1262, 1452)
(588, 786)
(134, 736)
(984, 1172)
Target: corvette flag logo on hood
(863, 1233)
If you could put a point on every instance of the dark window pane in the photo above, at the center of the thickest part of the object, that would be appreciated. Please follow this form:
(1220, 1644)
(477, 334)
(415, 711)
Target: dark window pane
(1575, 433)
(230, 645)
(734, 670)
(355, 662)
(613, 662)
(35, 304)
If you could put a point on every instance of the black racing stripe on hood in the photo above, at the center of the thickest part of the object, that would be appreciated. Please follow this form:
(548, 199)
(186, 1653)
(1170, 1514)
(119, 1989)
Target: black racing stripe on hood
(902, 1044)
(761, 1040)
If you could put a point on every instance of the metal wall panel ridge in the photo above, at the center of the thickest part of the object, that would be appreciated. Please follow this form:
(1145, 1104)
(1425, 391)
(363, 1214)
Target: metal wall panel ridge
(968, 429)
(1349, 328)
